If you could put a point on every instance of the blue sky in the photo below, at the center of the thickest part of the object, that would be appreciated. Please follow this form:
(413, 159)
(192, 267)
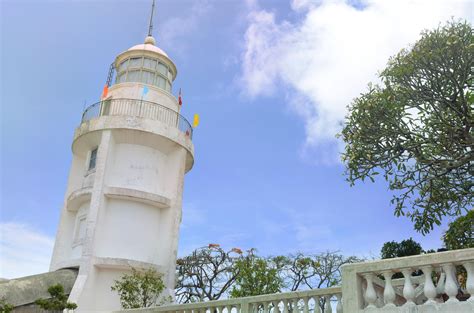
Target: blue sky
(270, 80)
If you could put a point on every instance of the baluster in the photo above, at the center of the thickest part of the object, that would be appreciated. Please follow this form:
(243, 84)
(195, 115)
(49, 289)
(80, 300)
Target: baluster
(265, 307)
(294, 304)
(451, 287)
(317, 307)
(469, 266)
(327, 307)
(274, 306)
(339, 303)
(389, 292)
(285, 306)
(370, 295)
(305, 304)
(229, 308)
(429, 288)
(408, 290)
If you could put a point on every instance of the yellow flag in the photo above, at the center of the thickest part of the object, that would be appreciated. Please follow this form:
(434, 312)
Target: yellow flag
(196, 120)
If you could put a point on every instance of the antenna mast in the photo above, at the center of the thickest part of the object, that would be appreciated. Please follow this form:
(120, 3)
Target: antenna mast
(150, 28)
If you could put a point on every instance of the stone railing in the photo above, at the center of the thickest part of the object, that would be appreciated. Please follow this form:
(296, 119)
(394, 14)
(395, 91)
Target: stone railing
(429, 284)
(368, 286)
(326, 300)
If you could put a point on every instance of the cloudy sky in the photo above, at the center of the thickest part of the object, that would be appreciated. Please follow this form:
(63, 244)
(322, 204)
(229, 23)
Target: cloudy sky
(271, 81)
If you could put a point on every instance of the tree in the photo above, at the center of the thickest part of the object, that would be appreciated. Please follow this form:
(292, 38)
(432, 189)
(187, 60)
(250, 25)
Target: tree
(57, 302)
(140, 289)
(416, 127)
(255, 276)
(460, 234)
(393, 249)
(5, 307)
(322, 270)
(207, 274)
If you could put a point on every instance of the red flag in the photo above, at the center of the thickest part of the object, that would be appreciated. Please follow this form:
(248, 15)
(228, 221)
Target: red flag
(105, 91)
(180, 100)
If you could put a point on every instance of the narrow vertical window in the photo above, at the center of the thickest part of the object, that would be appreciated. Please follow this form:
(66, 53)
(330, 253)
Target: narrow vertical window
(80, 231)
(92, 159)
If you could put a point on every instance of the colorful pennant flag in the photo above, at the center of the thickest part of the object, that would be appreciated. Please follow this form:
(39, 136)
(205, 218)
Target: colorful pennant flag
(105, 91)
(180, 100)
(145, 90)
(196, 120)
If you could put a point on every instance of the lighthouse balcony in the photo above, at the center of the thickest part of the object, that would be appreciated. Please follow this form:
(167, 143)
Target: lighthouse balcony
(139, 108)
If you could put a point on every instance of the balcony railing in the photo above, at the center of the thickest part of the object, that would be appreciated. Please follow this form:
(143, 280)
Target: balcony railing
(139, 108)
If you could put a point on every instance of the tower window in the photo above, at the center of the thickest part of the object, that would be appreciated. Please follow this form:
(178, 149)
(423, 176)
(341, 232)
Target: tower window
(146, 70)
(80, 231)
(92, 159)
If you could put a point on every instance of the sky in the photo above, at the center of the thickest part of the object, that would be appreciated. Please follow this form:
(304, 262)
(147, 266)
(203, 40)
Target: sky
(270, 80)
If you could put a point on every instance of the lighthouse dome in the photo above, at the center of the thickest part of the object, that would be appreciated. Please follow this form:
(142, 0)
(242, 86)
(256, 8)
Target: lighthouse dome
(149, 45)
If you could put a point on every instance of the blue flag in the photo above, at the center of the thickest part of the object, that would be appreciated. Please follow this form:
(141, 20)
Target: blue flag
(145, 90)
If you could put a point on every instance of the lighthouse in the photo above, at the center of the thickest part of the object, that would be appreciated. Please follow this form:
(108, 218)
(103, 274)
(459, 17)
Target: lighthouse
(123, 202)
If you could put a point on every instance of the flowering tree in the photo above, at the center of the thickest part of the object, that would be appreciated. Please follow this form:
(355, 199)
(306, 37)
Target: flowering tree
(206, 274)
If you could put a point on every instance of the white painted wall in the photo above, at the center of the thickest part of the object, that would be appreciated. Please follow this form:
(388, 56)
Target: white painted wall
(136, 166)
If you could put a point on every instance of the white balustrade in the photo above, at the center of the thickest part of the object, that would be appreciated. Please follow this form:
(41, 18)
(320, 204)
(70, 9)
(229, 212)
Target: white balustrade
(437, 289)
(363, 289)
(307, 301)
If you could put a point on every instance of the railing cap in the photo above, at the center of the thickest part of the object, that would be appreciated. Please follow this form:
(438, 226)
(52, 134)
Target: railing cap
(415, 261)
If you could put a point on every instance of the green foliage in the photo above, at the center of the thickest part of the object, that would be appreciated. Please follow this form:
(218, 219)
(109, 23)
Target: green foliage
(460, 234)
(255, 277)
(416, 129)
(5, 307)
(58, 300)
(140, 289)
(392, 249)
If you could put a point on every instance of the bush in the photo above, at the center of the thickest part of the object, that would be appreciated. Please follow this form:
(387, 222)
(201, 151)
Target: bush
(139, 289)
(58, 300)
(5, 307)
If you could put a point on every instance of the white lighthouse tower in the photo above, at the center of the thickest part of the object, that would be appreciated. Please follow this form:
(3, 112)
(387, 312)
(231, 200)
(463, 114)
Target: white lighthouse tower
(122, 206)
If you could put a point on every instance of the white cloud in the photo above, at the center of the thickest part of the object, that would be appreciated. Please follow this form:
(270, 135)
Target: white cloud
(329, 55)
(23, 251)
(173, 32)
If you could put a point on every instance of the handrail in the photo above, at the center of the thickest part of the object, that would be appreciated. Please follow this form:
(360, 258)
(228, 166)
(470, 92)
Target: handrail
(138, 108)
